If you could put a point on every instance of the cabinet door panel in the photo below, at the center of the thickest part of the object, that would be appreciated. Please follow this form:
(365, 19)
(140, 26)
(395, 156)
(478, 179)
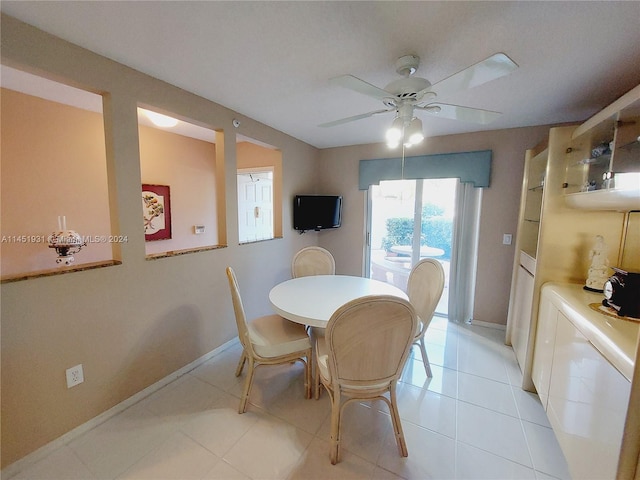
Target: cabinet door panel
(587, 404)
(543, 352)
(522, 314)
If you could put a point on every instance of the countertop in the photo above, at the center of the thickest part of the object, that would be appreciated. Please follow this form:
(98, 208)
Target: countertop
(615, 338)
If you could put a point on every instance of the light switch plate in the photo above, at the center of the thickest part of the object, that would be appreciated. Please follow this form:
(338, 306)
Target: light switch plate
(506, 239)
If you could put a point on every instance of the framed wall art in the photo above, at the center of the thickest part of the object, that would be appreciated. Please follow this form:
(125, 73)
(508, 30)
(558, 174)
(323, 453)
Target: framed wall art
(156, 207)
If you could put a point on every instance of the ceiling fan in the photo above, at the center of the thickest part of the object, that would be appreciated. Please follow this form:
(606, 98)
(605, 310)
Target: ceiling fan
(411, 93)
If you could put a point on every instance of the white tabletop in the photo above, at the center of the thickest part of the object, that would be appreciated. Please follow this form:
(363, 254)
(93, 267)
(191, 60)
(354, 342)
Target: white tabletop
(312, 300)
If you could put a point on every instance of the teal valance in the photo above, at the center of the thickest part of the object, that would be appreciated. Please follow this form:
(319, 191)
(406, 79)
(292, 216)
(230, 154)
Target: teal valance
(469, 167)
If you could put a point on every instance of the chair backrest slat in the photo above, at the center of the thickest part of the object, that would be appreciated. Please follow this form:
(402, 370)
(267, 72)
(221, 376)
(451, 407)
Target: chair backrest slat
(368, 340)
(424, 288)
(313, 261)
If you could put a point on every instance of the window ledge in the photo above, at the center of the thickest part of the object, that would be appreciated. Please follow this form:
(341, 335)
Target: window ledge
(58, 271)
(248, 242)
(175, 253)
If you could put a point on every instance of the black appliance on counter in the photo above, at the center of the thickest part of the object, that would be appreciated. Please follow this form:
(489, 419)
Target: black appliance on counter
(622, 293)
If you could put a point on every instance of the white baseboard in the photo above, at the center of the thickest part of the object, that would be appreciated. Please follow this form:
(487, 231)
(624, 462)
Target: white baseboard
(480, 323)
(45, 450)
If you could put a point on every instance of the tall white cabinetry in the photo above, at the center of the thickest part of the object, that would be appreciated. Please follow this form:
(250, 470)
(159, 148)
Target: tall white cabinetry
(523, 276)
(583, 367)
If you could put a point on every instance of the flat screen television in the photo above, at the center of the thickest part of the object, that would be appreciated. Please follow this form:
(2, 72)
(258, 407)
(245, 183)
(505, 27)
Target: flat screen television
(317, 212)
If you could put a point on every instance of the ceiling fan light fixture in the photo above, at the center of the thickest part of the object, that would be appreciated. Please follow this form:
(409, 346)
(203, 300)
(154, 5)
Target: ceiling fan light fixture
(394, 134)
(414, 132)
(416, 138)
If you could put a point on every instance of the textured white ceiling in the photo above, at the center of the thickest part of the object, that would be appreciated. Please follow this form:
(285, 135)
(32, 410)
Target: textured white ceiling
(271, 61)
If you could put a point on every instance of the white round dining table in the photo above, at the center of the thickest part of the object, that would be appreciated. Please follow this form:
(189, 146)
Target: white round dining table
(312, 300)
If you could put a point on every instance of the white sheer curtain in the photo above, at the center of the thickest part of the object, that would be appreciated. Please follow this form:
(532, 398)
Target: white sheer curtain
(464, 253)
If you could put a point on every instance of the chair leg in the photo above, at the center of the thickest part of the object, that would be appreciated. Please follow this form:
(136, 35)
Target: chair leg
(316, 385)
(240, 367)
(335, 428)
(307, 376)
(397, 425)
(425, 358)
(313, 332)
(247, 387)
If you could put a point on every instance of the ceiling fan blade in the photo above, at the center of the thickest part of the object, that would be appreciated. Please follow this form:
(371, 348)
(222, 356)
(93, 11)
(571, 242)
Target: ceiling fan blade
(360, 86)
(355, 117)
(466, 114)
(495, 66)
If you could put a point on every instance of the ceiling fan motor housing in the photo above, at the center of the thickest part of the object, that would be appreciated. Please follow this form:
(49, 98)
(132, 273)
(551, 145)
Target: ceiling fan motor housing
(408, 87)
(407, 65)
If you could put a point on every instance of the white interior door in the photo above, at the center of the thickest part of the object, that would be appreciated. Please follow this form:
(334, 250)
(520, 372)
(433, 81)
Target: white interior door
(255, 205)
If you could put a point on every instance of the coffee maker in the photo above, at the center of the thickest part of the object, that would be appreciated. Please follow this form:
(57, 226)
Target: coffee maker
(622, 293)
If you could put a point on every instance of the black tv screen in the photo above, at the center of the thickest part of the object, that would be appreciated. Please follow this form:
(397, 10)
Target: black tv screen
(317, 212)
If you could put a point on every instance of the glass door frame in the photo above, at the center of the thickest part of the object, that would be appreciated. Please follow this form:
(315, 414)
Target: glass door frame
(418, 207)
(417, 224)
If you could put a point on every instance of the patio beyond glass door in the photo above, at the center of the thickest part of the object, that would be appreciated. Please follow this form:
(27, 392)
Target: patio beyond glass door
(410, 220)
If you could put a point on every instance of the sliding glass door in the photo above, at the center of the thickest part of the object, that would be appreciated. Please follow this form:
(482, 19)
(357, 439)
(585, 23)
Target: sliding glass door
(410, 220)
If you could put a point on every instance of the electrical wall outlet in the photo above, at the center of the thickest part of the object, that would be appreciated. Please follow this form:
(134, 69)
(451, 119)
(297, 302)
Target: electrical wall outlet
(75, 376)
(198, 229)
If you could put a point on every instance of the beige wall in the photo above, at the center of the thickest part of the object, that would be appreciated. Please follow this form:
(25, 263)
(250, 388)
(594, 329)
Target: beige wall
(188, 167)
(135, 323)
(47, 147)
(499, 214)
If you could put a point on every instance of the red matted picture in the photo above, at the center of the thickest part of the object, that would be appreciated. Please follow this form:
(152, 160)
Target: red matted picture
(156, 207)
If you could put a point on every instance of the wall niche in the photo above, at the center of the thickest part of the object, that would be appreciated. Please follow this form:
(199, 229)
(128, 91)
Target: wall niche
(53, 175)
(180, 207)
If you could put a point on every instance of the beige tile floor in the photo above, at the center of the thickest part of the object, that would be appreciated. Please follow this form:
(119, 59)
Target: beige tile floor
(470, 421)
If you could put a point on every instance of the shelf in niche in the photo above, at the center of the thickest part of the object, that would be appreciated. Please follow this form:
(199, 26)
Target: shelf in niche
(59, 271)
(176, 253)
(605, 199)
(531, 220)
(537, 188)
(601, 160)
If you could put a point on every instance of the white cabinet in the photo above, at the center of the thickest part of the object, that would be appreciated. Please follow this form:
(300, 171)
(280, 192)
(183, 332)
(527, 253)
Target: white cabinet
(545, 344)
(586, 397)
(523, 297)
(587, 407)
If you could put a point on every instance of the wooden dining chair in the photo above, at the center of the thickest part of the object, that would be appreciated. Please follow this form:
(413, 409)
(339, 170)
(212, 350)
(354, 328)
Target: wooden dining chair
(362, 355)
(312, 261)
(424, 288)
(268, 340)
(307, 262)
